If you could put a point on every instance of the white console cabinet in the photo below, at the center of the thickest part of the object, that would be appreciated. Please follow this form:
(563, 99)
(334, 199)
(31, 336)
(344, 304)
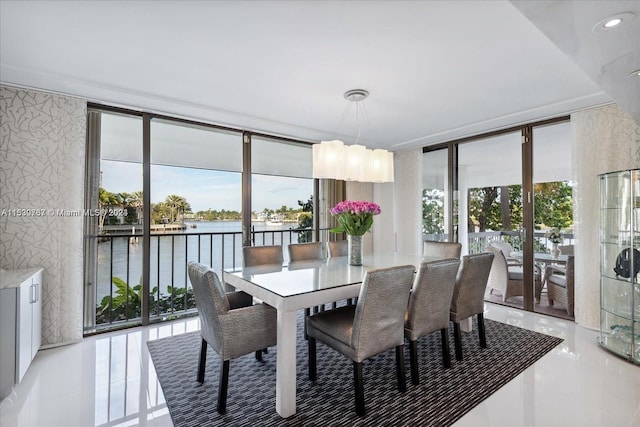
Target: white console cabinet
(20, 324)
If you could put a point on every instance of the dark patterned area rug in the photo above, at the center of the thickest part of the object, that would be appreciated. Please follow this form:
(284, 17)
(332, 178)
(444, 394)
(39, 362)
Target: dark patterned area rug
(443, 396)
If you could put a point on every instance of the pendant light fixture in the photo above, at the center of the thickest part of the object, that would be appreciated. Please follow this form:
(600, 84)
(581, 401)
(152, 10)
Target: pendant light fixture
(334, 160)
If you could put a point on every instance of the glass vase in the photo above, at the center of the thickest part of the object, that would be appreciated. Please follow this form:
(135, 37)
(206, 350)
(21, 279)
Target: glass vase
(354, 249)
(555, 251)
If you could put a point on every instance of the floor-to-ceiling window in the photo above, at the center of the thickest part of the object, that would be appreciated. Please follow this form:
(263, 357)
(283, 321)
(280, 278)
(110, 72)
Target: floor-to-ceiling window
(281, 193)
(553, 204)
(172, 191)
(509, 188)
(435, 195)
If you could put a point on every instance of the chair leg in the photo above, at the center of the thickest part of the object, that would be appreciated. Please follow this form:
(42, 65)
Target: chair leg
(413, 358)
(481, 331)
(358, 385)
(259, 355)
(312, 359)
(307, 313)
(446, 355)
(457, 338)
(335, 305)
(223, 386)
(402, 382)
(202, 361)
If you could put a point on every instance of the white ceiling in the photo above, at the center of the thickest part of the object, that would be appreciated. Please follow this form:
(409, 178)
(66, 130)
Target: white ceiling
(436, 70)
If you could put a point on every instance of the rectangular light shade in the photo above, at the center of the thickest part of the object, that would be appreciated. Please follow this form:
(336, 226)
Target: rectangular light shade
(334, 160)
(329, 160)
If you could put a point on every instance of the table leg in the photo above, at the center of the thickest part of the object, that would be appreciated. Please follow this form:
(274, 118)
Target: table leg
(286, 364)
(466, 325)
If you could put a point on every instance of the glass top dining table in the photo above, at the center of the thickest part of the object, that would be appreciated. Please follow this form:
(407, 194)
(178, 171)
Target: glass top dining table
(302, 284)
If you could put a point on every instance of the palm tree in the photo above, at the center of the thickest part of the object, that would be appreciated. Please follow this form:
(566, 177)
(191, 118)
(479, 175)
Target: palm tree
(137, 201)
(106, 200)
(176, 205)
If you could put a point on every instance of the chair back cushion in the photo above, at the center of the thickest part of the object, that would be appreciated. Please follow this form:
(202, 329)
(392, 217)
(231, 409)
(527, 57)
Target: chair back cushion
(211, 302)
(442, 250)
(262, 255)
(305, 251)
(471, 282)
(378, 322)
(430, 298)
(337, 248)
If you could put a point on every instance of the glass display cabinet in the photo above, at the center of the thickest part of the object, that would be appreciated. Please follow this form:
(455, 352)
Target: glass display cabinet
(620, 263)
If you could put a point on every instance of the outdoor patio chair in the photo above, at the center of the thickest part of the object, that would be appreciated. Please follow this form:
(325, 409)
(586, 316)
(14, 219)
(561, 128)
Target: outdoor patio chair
(508, 279)
(507, 251)
(560, 284)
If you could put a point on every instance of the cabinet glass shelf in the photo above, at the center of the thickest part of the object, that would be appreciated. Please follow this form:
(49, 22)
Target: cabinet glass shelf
(620, 263)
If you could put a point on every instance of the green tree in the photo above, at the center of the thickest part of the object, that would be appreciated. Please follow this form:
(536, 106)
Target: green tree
(553, 204)
(305, 220)
(433, 211)
(106, 200)
(177, 205)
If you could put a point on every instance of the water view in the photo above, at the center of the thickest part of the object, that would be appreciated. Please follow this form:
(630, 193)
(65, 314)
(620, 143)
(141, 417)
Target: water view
(215, 243)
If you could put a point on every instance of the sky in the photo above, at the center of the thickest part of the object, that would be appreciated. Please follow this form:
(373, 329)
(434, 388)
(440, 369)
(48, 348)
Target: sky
(206, 189)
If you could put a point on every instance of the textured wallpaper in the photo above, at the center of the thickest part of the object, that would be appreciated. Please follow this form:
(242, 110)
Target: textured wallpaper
(407, 189)
(42, 143)
(606, 139)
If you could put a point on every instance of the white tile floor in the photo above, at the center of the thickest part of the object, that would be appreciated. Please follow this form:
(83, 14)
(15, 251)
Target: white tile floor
(109, 380)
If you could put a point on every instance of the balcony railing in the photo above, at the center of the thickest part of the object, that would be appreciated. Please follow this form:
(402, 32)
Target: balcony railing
(118, 290)
(478, 241)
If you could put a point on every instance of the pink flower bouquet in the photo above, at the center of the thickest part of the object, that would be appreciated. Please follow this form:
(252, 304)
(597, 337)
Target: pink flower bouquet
(355, 217)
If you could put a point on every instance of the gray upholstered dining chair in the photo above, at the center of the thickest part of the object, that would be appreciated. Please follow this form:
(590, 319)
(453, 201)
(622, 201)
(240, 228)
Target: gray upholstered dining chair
(442, 249)
(261, 255)
(428, 309)
(468, 296)
(561, 284)
(335, 249)
(229, 324)
(375, 324)
(338, 248)
(305, 251)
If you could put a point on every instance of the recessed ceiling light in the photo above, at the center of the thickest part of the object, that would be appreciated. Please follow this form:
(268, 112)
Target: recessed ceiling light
(613, 21)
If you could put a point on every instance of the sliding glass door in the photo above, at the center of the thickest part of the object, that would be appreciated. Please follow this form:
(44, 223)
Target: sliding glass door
(490, 203)
(512, 190)
(553, 208)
